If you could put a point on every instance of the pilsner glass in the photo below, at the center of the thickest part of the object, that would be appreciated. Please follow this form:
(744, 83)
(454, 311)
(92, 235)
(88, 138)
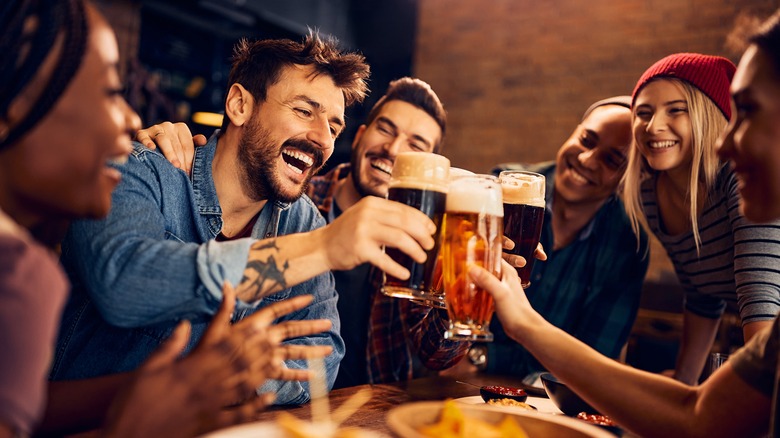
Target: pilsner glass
(434, 296)
(523, 216)
(471, 235)
(419, 180)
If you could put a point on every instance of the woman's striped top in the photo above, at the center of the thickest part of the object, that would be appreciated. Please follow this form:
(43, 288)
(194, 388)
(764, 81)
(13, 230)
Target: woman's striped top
(738, 264)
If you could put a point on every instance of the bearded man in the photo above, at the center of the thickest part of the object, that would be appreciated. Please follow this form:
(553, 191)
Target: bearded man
(171, 240)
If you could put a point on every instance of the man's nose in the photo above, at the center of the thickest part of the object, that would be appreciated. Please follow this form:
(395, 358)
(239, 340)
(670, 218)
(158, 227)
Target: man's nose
(588, 159)
(320, 134)
(394, 146)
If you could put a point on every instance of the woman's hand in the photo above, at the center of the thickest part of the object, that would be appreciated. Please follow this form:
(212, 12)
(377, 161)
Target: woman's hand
(519, 261)
(215, 385)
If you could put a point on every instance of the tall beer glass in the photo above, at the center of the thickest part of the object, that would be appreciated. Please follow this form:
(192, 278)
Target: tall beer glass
(434, 297)
(523, 215)
(471, 235)
(420, 180)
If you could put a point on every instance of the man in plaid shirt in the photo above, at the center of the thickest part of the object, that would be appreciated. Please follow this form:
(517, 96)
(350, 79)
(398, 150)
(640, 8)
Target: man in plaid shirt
(382, 334)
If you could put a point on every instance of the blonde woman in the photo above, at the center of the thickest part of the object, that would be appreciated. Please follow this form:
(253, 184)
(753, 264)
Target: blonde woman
(677, 188)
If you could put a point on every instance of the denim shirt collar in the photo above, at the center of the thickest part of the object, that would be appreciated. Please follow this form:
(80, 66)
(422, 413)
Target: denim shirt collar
(203, 179)
(206, 192)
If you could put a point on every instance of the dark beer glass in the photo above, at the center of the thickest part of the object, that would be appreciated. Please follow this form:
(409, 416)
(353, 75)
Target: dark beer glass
(523, 194)
(471, 235)
(419, 180)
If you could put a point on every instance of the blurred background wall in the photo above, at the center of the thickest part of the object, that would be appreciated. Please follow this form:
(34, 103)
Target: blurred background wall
(516, 75)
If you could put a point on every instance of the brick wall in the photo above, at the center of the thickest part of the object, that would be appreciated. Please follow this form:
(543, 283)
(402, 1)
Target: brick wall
(515, 75)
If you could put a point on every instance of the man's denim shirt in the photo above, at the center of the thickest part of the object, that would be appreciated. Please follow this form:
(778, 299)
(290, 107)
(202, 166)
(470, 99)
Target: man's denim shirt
(154, 262)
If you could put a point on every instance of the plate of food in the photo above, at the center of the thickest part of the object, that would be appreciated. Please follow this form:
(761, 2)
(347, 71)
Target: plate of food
(453, 419)
(287, 426)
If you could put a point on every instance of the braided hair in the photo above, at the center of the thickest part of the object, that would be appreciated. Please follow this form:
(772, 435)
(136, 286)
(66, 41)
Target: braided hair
(31, 30)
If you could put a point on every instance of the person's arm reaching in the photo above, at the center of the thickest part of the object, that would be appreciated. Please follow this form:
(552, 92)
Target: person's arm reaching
(695, 344)
(356, 237)
(126, 259)
(645, 403)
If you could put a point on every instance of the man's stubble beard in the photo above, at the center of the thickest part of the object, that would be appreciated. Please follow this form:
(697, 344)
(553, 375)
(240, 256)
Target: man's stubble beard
(257, 156)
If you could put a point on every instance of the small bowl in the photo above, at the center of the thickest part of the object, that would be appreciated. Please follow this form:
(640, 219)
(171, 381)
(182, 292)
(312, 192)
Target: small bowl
(498, 392)
(567, 400)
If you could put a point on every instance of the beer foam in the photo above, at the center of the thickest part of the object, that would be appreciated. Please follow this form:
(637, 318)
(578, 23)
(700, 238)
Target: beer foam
(523, 188)
(479, 194)
(423, 170)
(458, 172)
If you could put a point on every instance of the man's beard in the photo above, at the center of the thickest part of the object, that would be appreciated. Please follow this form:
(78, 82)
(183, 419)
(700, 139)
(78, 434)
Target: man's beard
(257, 156)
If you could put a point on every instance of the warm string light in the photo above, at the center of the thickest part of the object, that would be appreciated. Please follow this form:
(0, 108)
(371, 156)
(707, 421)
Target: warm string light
(207, 119)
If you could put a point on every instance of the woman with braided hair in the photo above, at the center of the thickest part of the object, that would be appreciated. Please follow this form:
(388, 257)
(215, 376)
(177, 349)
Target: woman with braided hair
(59, 82)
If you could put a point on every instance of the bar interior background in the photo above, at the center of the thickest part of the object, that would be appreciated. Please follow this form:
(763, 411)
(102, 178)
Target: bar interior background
(514, 76)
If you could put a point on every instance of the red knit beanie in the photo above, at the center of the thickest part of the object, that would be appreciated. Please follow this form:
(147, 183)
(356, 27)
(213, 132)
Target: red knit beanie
(710, 74)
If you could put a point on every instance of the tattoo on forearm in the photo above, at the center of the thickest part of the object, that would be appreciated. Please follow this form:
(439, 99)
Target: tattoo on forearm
(271, 244)
(261, 278)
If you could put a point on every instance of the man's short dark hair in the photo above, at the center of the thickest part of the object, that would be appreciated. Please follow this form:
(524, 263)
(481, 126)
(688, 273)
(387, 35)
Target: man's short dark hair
(418, 93)
(258, 64)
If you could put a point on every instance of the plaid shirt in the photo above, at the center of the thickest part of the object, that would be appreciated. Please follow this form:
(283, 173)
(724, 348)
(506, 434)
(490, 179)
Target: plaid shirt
(397, 328)
(589, 288)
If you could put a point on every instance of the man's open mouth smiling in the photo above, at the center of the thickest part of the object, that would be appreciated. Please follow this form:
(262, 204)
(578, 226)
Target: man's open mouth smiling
(382, 165)
(296, 160)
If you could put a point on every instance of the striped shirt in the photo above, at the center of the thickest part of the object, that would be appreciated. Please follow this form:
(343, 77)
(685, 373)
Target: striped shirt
(738, 264)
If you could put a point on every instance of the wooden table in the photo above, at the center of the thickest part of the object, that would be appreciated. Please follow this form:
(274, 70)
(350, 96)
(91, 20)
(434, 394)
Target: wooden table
(387, 396)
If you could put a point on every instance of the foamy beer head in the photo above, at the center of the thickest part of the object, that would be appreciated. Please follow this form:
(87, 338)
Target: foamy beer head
(421, 170)
(480, 194)
(456, 172)
(521, 187)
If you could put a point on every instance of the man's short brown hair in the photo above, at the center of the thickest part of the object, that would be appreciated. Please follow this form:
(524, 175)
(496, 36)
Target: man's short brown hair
(415, 92)
(258, 65)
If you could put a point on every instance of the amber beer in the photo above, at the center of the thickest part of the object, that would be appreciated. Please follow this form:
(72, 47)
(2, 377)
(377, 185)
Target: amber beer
(523, 216)
(419, 180)
(434, 296)
(471, 234)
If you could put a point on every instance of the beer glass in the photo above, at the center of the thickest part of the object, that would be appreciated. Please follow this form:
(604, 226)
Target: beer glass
(471, 235)
(523, 216)
(420, 180)
(434, 296)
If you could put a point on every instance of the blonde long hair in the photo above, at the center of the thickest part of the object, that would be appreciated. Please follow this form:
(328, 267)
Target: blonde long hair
(707, 123)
